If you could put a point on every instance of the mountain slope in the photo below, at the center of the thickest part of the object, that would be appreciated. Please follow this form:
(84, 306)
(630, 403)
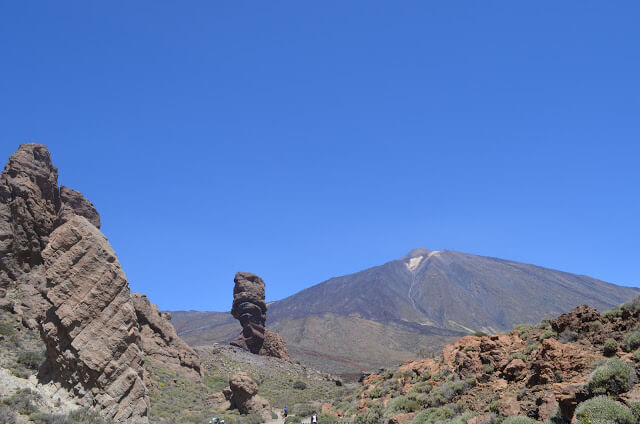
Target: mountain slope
(452, 290)
(388, 313)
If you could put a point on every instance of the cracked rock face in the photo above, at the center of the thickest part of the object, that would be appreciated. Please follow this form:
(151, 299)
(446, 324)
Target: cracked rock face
(58, 271)
(161, 343)
(91, 330)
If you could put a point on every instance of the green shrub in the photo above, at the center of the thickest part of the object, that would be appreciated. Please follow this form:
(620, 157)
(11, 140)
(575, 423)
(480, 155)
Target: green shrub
(519, 420)
(522, 329)
(299, 385)
(602, 409)
(610, 347)
(612, 313)
(636, 355)
(488, 369)
(293, 419)
(22, 401)
(595, 326)
(376, 392)
(545, 324)
(568, 336)
(7, 416)
(613, 376)
(434, 415)
(215, 383)
(445, 393)
(303, 410)
(517, 355)
(373, 415)
(422, 387)
(548, 334)
(6, 329)
(530, 348)
(402, 404)
(468, 349)
(632, 340)
(635, 409)
(30, 359)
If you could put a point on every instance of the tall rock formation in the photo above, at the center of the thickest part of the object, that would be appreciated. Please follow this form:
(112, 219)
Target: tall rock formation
(250, 309)
(61, 275)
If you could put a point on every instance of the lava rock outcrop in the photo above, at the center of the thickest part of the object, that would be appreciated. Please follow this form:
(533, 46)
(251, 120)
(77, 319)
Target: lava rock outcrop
(161, 343)
(250, 309)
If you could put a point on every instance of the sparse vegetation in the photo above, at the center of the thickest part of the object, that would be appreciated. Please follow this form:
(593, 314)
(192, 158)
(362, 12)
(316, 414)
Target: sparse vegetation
(610, 347)
(519, 420)
(299, 385)
(632, 340)
(602, 409)
(612, 376)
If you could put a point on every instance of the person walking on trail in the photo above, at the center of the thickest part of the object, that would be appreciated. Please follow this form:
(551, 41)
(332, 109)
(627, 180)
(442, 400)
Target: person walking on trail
(285, 411)
(314, 418)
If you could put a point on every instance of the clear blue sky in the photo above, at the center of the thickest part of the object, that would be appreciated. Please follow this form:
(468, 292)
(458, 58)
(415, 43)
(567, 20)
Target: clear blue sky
(303, 140)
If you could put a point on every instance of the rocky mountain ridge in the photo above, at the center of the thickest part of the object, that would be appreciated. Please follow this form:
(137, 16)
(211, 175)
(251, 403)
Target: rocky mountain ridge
(60, 277)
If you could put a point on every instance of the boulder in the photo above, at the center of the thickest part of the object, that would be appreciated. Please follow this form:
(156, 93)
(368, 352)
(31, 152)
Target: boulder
(274, 345)
(244, 396)
(160, 342)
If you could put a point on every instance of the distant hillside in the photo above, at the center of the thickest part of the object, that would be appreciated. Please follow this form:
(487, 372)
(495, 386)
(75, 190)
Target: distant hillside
(388, 313)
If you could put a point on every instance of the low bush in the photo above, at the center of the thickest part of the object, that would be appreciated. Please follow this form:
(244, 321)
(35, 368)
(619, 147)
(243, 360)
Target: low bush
(632, 340)
(602, 409)
(6, 329)
(299, 385)
(488, 369)
(517, 355)
(402, 404)
(480, 334)
(636, 355)
(519, 420)
(22, 401)
(373, 415)
(595, 326)
(7, 416)
(376, 392)
(522, 329)
(612, 313)
(613, 376)
(30, 359)
(547, 334)
(422, 387)
(303, 410)
(610, 347)
(568, 336)
(434, 415)
(445, 393)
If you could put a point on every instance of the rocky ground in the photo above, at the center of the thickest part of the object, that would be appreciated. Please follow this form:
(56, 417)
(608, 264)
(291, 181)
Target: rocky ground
(281, 383)
(581, 367)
